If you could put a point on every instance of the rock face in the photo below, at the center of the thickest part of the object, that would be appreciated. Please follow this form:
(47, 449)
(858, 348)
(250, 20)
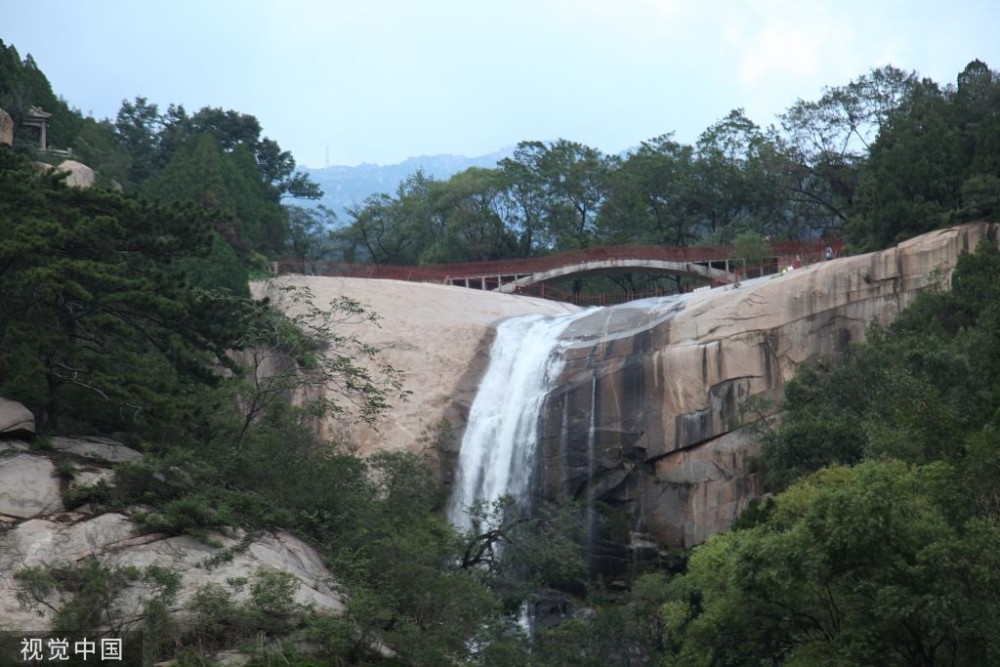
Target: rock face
(92, 447)
(438, 335)
(79, 174)
(15, 418)
(37, 531)
(62, 540)
(28, 487)
(649, 400)
(6, 129)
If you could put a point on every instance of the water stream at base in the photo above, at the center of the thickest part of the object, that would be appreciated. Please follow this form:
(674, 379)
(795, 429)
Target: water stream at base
(497, 456)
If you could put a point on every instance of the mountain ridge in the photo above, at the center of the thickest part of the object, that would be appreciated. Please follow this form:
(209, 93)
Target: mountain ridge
(345, 186)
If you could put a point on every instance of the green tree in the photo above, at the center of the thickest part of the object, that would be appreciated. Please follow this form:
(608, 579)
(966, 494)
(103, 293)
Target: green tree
(976, 100)
(23, 85)
(96, 145)
(100, 327)
(916, 392)
(219, 159)
(727, 192)
(555, 192)
(903, 191)
(471, 208)
(935, 159)
(137, 127)
(576, 181)
(310, 233)
(865, 565)
(395, 230)
(649, 196)
(825, 143)
(232, 129)
(525, 195)
(228, 184)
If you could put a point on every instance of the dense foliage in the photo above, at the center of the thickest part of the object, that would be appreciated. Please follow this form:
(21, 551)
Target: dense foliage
(875, 161)
(107, 329)
(214, 157)
(918, 392)
(883, 546)
(128, 313)
(90, 290)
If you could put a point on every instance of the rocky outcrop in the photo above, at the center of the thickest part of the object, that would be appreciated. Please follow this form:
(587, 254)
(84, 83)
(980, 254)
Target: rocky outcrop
(95, 448)
(78, 175)
(649, 401)
(15, 419)
(37, 531)
(28, 487)
(6, 129)
(438, 335)
(62, 540)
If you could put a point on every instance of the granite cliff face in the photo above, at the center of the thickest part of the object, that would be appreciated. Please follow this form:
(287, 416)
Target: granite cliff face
(646, 414)
(438, 335)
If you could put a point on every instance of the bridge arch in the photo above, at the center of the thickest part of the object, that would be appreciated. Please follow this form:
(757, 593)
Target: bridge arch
(702, 270)
(710, 263)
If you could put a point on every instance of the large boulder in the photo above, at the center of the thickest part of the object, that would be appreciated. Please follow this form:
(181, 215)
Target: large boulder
(28, 487)
(36, 531)
(62, 541)
(438, 335)
(15, 419)
(6, 129)
(79, 175)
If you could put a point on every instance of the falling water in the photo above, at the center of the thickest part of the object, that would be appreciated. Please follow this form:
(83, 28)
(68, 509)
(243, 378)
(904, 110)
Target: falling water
(497, 457)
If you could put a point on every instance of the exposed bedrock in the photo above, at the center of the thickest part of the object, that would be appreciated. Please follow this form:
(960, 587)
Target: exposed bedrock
(646, 415)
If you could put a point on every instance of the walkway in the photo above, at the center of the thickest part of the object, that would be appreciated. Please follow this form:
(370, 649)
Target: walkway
(708, 263)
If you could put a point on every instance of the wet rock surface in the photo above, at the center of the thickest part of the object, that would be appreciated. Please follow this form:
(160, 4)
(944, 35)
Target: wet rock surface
(646, 415)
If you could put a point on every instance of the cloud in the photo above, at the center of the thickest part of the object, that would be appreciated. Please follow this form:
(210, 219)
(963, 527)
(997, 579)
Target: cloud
(779, 39)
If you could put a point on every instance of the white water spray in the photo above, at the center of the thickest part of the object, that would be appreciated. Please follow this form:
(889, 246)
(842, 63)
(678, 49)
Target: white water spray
(497, 457)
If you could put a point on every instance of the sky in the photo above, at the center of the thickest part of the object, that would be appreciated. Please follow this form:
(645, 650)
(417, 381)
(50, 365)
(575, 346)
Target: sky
(342, 82)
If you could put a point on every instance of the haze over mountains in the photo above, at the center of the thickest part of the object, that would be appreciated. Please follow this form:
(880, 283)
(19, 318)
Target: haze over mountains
(345, 186)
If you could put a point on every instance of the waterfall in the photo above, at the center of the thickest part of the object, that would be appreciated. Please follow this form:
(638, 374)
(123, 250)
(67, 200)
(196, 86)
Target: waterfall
(497, 455)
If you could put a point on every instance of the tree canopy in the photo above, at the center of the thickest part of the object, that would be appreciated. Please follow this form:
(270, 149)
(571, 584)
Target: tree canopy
(91, 288)
(879, 159)
(881, 547)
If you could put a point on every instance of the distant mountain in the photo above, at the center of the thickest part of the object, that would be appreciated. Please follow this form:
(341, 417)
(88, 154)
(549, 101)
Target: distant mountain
(346, 186)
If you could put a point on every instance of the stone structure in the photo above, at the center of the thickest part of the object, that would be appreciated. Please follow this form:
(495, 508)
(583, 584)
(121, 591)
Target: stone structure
(38, 119)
